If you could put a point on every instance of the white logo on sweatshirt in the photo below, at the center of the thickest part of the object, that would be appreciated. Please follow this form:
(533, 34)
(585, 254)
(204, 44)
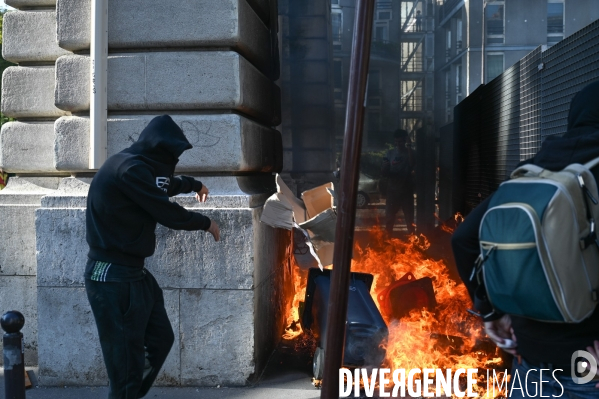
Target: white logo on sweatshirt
(162, 183)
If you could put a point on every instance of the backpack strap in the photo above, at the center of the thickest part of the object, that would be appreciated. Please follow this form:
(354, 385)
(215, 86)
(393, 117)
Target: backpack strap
(592, 163)
(529, 168)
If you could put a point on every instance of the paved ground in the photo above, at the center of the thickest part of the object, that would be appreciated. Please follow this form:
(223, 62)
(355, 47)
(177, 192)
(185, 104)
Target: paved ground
(286, 377)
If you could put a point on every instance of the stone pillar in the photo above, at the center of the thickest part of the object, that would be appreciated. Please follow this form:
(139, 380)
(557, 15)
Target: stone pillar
(26, 148)
(209, 65)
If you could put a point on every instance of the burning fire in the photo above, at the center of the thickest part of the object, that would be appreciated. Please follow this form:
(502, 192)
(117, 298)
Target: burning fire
(448, 338)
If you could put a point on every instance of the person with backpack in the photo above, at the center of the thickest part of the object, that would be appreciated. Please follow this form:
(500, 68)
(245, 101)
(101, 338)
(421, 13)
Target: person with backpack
(536, 342)
(398, 166)
(128, 196)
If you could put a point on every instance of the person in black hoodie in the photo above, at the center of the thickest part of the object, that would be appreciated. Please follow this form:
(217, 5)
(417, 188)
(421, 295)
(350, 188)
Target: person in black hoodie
(127, 197)
(540, 345)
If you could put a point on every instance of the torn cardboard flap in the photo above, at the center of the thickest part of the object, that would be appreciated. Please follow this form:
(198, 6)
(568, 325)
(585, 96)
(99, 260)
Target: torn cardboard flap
(283, 209)
(318, 199)
(315, 217)
(322, 226)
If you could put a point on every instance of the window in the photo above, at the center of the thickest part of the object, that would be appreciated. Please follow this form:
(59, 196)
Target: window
(337, 23)
(411, 95)
(555, 21)
(494, 19)
(335, 2)
(381, 32)
(494, 65)
(383, 15)
(374, 121)
(338, 79)
(374, 83)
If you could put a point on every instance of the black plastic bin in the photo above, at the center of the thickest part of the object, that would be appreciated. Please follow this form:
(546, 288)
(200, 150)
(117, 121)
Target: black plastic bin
(365, 330)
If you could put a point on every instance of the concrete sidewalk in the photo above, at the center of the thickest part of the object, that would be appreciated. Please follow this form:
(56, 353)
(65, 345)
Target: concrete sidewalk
(286, 377)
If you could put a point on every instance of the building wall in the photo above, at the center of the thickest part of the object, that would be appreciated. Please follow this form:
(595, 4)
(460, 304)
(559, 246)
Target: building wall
(525, 28)
(307, 88)
(506, 120)
(212, 66)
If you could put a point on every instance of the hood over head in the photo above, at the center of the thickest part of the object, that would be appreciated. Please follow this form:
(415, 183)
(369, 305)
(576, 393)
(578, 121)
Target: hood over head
(584, 109)
(580, 144)
(162, 140)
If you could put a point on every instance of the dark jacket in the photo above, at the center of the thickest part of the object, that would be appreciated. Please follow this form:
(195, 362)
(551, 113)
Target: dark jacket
(397, 168)
(540, 342)
(130, 194)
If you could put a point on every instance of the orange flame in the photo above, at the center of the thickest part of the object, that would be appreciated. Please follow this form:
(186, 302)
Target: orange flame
(449, 338)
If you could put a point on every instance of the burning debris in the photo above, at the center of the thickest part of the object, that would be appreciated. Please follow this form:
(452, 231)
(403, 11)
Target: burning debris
(422, 322)
(407, 294)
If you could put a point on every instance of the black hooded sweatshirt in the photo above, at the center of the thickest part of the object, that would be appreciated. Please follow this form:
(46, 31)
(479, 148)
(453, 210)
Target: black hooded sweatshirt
(538, 342)
(130, 194)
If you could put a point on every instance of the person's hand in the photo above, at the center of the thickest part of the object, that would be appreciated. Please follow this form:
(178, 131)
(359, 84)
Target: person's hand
(594, 351)
(214, 230)
(202, 195)
(501, 330)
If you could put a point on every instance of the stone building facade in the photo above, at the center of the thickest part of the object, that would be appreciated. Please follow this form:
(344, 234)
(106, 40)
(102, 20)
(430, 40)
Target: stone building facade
(211, 64)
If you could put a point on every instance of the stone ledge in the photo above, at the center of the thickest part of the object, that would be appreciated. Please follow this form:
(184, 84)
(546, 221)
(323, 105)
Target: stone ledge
(224, 193)
(222, 143)
(192, 80)
(28, 92)
(27, 190)
(26, 147)
(30, 36)
(30, 3)
(191, 24)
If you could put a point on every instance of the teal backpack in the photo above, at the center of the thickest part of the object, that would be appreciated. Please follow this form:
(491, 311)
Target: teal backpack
(539, 252)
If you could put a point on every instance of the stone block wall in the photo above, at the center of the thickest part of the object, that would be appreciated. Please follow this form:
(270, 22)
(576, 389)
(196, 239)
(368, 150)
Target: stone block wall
(209, 64)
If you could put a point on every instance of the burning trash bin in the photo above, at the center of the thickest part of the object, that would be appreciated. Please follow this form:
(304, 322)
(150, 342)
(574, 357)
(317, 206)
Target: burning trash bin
(365, 330)
(407, 294)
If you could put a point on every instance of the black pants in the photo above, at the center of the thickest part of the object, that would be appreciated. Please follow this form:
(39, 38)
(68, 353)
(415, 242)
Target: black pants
(135, 333)
(395, 201)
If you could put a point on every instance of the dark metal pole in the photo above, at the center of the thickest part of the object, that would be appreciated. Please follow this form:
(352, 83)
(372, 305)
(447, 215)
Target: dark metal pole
(344, 235)
(14, 362)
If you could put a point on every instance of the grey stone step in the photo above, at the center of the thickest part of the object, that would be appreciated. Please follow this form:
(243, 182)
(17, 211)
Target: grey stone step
(28, 92)
(30, 36)
(192, 80)
(141, 24)
(30, 3)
